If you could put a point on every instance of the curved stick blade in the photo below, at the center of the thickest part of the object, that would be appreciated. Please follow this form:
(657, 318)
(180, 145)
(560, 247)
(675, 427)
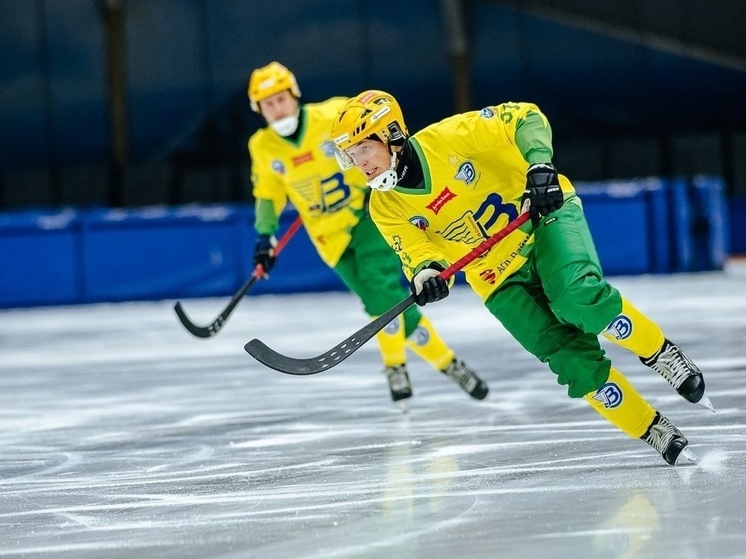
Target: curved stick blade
(215, 326)
(194, 329)
(313, 365)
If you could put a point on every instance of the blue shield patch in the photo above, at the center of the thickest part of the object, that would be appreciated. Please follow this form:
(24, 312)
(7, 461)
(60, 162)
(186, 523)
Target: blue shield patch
(466, 173)
(610, 395)
(620, 328)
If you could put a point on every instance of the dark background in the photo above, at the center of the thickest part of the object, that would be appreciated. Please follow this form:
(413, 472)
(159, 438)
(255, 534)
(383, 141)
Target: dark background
(125, 103)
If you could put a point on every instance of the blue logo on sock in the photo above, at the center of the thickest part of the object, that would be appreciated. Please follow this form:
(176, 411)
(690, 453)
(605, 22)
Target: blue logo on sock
(420, 336)
(620, 328)
(392, 327)
(610, 395)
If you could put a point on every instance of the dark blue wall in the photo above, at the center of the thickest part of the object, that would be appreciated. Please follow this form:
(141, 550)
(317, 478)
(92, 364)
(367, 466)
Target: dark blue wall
(187, 59)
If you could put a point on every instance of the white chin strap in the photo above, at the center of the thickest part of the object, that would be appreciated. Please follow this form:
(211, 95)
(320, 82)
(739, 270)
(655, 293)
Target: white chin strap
(285, 126)
(386, 180)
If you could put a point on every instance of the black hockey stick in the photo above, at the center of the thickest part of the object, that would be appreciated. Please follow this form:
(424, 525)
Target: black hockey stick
(215, 326)
(292, 366)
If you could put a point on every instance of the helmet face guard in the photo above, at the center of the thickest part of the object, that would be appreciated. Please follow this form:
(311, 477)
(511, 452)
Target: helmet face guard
(385, 181)
(269, 80)
(343, 159)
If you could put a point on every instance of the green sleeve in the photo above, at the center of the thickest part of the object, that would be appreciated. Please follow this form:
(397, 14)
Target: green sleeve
(265, 218)
(533, 136)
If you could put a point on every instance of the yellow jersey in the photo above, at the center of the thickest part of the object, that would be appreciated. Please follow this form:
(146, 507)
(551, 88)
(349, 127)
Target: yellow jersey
(474, 176)
(305, 172)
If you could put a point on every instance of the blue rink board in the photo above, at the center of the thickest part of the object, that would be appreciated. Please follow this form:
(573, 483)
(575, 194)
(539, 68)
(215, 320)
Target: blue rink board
(73, 256)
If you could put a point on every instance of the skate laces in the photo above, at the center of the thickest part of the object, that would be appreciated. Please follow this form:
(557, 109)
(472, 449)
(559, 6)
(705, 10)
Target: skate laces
(661, 434)
(673, 365)
(398, 378)
(465, 377)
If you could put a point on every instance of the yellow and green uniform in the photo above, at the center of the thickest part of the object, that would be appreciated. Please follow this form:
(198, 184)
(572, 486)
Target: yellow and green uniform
(332, 204)
(545, 285)
(304, 171)
(474, 176)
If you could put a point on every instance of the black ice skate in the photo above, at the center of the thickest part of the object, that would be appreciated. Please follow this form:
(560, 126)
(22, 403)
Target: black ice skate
(664, 437)
(680, 372)
(467, 379)
(401, 388)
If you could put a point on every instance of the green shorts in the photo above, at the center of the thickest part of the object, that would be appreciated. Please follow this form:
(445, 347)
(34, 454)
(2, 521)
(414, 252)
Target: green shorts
(558, 302)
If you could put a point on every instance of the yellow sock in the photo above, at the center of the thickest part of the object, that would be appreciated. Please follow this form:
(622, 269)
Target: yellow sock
(622, 405)
(391, 343)
(634, 331)
(426, 343)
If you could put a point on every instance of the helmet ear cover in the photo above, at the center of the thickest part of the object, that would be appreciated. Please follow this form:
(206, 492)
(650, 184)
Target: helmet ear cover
(398, 137)
(269, 80)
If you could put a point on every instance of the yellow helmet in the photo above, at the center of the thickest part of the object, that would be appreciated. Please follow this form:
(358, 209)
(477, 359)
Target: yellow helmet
(371, 113)
(268, 80)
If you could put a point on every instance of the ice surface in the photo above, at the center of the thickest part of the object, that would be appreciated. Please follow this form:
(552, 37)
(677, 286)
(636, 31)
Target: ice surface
(123, 436)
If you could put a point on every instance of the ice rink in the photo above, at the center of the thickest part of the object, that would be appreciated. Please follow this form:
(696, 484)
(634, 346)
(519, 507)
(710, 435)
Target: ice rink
(123, 436)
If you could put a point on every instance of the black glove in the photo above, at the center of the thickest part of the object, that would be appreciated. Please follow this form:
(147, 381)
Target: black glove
(263, 252)
(542, 190)
(427, 286)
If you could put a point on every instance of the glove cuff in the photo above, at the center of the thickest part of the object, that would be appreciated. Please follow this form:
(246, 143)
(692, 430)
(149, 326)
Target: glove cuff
(541, 167)
(266, 241)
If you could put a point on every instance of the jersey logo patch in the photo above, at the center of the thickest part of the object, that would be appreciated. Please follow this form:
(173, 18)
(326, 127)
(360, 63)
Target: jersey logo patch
(328, 148)
(420, 222)
(486, 113)
(610, 395)
(301, 159)
(620, 328)
(278, 167)
(466, 173)
(442, 199)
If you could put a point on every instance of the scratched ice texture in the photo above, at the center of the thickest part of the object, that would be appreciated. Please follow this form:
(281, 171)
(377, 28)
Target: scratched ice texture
(123, 436)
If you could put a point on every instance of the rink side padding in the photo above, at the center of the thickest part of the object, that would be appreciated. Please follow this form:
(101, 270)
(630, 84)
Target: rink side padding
(70, 256)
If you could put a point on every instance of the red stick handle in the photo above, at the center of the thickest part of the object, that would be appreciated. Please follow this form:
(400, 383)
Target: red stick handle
(286, 237)
(480, 249)
(259, 269)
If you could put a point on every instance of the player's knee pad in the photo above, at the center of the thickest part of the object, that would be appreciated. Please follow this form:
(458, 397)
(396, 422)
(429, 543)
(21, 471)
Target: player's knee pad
(579, 363)
(588, 302)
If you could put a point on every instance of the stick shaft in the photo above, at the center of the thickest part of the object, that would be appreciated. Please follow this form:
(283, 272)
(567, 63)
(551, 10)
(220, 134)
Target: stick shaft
(215, 326)
(310, 366)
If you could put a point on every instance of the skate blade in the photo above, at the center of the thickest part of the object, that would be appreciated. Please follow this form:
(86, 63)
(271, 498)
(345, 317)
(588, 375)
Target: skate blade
(686, 457)
(403, 405)
(705, 402)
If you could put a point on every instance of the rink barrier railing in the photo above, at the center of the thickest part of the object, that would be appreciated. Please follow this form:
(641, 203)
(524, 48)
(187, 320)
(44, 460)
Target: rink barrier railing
(74, 256)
